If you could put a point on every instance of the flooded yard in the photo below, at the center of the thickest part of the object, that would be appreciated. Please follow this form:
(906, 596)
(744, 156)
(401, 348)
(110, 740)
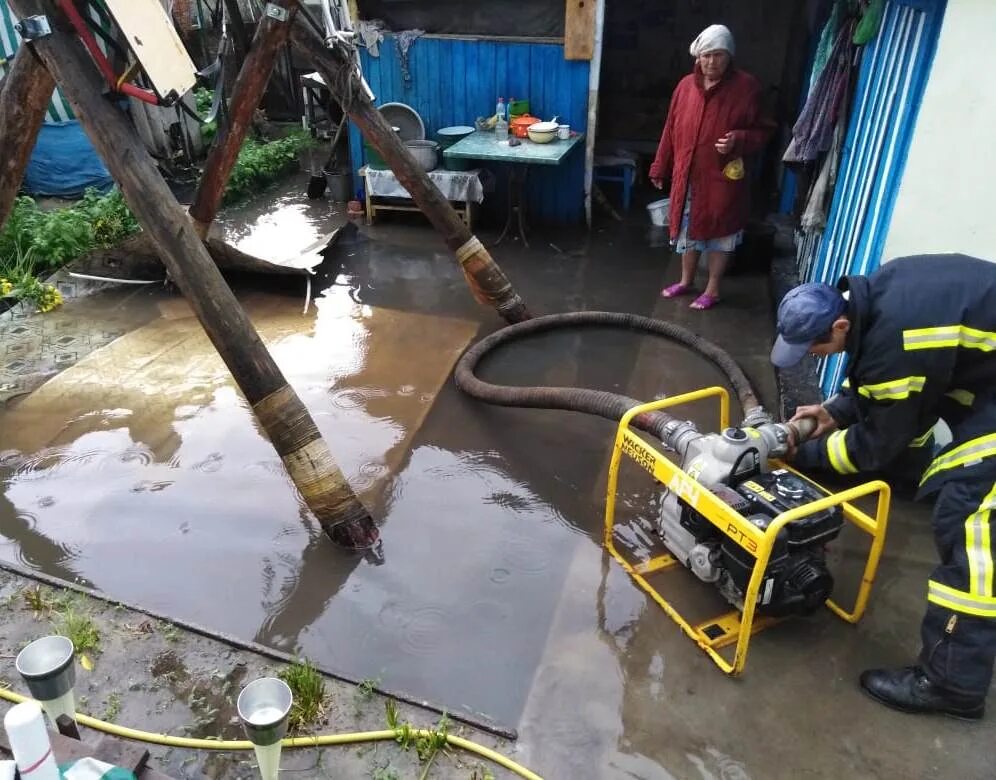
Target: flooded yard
(139, 470)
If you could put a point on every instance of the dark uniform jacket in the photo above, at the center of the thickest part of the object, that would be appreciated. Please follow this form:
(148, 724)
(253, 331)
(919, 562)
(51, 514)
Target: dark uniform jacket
(922, 341)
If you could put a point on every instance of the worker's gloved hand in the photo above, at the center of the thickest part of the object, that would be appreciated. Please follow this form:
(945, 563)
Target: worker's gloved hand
(825, 423)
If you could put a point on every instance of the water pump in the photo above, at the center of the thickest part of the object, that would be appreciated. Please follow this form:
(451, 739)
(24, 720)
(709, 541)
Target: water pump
(734, 466)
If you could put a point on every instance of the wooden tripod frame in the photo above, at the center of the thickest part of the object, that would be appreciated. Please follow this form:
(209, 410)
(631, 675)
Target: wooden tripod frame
(60, 58)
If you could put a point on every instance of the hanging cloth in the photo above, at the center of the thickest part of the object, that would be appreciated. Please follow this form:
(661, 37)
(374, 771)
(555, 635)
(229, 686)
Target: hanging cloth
(827, 39)
(870, 23)
(813, 131)
(403, 41)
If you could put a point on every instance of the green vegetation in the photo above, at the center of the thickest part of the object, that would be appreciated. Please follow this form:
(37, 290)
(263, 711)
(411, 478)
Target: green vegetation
(34, 243)
(112, 707)
(308, 687)
(80, 629)
(427, 745)
(38, 601)
(260, 164)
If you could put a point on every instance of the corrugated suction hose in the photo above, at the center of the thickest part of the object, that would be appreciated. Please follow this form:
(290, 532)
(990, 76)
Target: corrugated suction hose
(611, 406)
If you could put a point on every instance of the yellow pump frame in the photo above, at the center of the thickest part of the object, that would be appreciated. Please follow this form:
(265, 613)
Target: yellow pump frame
(713, 635)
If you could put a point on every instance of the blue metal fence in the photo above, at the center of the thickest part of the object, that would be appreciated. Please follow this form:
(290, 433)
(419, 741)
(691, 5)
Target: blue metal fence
(454, 81)
(894, 72)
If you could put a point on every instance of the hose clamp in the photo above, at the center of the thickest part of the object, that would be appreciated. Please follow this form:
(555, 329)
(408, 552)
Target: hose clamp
(276, 12)
(31, 28)
(468, 250)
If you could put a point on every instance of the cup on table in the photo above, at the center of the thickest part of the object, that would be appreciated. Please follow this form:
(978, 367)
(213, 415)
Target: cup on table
(563, 132)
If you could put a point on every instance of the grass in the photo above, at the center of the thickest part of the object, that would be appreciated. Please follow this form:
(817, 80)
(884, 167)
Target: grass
(364, 692)
(80, 629)
(112, 707)
(34, 242)
(308, 687)
(38, 601)
(427, 746)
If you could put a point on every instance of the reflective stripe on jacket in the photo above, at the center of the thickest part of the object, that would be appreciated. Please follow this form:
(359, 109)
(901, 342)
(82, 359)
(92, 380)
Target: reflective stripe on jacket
(922, 337)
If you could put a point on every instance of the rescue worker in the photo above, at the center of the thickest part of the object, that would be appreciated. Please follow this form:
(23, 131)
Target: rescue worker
(920, 337)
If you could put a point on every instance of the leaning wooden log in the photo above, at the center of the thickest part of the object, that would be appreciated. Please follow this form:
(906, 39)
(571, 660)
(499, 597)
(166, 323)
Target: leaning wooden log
(487, 281)
(24, 97)
(277, 407)
(271, 34)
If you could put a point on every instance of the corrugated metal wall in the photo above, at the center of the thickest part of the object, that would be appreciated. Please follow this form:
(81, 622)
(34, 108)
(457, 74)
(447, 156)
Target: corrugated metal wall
(454, 81)
(894, 72)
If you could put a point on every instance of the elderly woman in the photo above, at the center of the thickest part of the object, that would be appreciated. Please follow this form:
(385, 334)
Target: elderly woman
(715, 120)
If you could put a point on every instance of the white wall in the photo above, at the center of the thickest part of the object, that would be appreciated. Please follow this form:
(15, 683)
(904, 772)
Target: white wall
(947, 198)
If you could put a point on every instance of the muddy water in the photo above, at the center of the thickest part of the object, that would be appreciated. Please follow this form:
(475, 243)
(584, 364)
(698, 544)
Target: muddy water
(141, 471)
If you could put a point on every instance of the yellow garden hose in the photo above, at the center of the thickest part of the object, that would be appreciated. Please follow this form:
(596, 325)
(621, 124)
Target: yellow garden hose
(295, 742)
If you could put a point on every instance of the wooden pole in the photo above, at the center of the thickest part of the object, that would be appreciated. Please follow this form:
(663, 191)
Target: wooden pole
(238, 29)
(277, 407)
(487, 281)
(24, 98)
(271, 34)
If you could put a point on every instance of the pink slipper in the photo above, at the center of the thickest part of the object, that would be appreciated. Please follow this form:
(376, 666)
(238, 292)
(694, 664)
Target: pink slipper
(676, 290)
(704, 301)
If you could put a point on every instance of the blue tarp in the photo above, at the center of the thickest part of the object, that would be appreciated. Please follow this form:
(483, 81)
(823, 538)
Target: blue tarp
(64, 163)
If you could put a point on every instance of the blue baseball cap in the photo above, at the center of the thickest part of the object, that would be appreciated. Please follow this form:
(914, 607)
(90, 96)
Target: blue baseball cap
(805, 316)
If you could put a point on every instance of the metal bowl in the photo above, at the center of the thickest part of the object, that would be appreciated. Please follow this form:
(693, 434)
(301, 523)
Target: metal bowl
(406, 119)
(541, 136)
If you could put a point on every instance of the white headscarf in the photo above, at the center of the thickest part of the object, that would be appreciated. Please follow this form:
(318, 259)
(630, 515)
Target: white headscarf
(713, 37)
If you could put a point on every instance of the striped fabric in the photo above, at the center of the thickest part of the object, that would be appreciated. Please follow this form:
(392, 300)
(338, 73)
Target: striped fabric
(59, 109)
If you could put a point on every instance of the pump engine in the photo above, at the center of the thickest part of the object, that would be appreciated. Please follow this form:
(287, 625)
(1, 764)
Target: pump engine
(733, 465)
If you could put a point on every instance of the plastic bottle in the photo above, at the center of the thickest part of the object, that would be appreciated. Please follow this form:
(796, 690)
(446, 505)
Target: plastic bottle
(501, 125)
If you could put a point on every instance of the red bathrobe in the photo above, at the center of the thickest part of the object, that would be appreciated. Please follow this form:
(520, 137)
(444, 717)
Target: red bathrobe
(687, 154)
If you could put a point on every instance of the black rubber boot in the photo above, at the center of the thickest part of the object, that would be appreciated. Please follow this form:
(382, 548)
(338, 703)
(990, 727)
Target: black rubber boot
(910, 690)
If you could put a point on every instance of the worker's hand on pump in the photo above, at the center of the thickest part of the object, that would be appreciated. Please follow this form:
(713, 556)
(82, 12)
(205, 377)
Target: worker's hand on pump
(824, 421)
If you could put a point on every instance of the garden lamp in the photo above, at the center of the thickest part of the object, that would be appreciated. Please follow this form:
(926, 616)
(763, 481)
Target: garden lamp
(48, 668)
(264, 705)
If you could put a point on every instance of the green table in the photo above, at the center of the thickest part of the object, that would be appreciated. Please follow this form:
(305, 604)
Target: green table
(483, 146)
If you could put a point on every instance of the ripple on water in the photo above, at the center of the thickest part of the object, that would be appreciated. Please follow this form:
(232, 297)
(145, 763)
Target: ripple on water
(51, 460)
(210, 464)
(522, 554)
(509, 500)
(422, 629)
(349, 398)
(369, 473)
(150, 486)
(135, 455)
(11, 459)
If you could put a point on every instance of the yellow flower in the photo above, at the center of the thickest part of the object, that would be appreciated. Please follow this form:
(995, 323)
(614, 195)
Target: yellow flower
(5, 287)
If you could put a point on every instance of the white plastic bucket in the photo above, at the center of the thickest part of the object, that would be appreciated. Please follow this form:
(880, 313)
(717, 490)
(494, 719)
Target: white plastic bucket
(658, 211)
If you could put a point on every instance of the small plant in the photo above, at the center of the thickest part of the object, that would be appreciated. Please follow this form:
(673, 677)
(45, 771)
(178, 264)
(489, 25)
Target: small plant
(34, 242)
(204, 99)
(38, 601)
(385, 773)
(171, 633)
(80, 629)
(482, 773)
(308, 687)
(259, 164)
(427, 743)
(366, 689)
(112, 707)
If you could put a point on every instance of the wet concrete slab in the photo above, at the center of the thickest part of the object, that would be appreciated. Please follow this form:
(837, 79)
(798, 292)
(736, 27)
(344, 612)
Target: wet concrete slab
(151, 675)
(494, 595)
